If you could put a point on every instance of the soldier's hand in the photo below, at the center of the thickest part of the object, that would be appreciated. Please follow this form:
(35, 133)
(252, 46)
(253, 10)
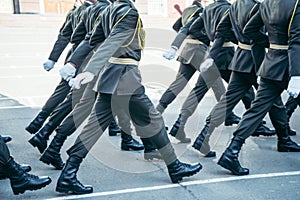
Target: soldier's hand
(170, 54)
(82, 78)
(48, 65)
(206, 64)
(258, 80)
(67, 71)
(294, 86)
(71, 82)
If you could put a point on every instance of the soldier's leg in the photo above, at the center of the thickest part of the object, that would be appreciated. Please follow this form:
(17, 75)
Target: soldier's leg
(239, 84)
(98, 121)
(205, 81)
(184, 74)
(40, 139)
(268, 92)
(149, 123)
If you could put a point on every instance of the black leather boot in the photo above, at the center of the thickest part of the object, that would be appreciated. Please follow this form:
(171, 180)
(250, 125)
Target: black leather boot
(113, 128)
(150, 152)
(287, 145)
(67, 182)
(232, 119)
(38, 122)
(6, 138)
(264, 131)
(229, 159)
(128, 143)
(21, 181)
(25, 168)
(177, 170)
(40, 139)
(52, 153)
(292, 132)
(202, 142)
(177, 130)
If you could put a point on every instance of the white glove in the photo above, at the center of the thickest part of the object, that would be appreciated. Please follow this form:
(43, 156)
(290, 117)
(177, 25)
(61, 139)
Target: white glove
(206, 64)
(258, 80)
(48, 65)
(294, 86)
(67, 71)
(71, 82)
(170, 54)
(82, 78)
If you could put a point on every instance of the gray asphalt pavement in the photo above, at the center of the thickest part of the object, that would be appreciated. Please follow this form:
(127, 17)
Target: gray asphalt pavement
(25, 43)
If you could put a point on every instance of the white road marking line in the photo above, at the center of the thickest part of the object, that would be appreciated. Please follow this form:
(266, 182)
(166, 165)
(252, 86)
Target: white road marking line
(13, 107)
(162, 187)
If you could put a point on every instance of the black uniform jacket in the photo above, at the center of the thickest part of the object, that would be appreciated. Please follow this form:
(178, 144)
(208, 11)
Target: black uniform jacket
(282, 21)
(233, 22)
(121, 37)
(210, 18)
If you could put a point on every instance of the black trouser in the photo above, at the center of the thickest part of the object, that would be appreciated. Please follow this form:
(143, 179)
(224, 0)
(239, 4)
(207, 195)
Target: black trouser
(82, 110)
(59, 94)
(147, 121)
(4, 152)
(183, 76)
(268, 93)
(239, 85)
(66, 106)
(205, 81)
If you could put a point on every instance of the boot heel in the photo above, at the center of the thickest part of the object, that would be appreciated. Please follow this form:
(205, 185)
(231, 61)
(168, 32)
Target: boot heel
(32, 142)
(45, 160)
(62, 190)
(176, 180)
(125, 148)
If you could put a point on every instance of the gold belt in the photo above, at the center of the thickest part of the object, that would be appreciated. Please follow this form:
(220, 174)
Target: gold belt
(244, 46)
(279, 46)
(193, 41)
(225, 44)
(123, 61)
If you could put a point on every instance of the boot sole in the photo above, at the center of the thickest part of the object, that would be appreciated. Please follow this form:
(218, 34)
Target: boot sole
(48, 162)
(262, 134)
(224, 165)
(178, 179)
(37, 187)
(31, 131)
(288, 150)
(131, 149)
(68, 191)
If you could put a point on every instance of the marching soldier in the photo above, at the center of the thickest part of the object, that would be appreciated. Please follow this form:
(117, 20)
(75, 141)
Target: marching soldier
(207, 23)
(281, 63)
(119, 88)
(244, 65)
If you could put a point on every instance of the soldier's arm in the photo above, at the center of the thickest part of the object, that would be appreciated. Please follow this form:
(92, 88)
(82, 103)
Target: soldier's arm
(183, 33)
(61, 42)
(224, 29)
(294, 44)
(177, 25)
(80, 30)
